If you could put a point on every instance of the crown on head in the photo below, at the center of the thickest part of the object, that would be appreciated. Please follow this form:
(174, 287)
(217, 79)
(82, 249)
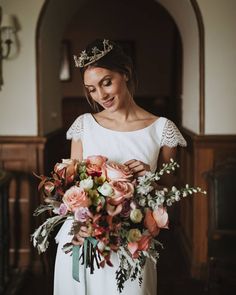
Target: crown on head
(84, 59)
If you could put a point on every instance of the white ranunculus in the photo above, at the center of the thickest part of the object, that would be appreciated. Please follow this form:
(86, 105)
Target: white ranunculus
(136, 215)
(87, 183)
(101, 246)
(106, 190)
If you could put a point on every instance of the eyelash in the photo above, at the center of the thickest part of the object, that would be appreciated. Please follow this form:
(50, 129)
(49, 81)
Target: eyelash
(90, 91)
(106, 83)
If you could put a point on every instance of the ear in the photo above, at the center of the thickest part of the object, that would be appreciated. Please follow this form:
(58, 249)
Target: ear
(126, 77)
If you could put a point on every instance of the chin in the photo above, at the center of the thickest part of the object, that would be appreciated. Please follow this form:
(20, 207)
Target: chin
(111, 109)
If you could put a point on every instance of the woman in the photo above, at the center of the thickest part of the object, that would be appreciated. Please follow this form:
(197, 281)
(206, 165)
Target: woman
(122, 132)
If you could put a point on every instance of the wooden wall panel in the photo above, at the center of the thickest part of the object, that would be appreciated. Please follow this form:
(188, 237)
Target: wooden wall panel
(201, 156)
(20, 155)
(23, 156)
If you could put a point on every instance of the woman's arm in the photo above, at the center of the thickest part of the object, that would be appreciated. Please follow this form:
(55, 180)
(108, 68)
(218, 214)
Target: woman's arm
(76, 150)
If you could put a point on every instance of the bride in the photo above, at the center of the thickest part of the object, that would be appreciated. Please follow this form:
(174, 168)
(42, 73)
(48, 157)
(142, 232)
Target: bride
(122, 132)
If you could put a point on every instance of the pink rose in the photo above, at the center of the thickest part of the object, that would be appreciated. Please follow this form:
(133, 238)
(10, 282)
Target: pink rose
(119, 172)
(121, 190)
(95, 165)
(75, 197)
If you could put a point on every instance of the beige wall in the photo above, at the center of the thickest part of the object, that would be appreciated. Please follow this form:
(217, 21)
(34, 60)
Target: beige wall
(18, 114)
(220, 23)
(18, 111)
(182, 13)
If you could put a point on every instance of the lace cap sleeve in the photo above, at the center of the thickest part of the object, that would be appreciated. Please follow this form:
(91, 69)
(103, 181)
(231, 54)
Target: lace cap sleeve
(171, 135)
(76, 129)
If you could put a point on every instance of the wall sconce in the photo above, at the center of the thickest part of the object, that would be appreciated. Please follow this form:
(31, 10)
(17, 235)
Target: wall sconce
(7, 31)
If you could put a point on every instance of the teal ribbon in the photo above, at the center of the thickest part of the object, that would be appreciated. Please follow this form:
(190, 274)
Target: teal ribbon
(75, 259)
(75, 262)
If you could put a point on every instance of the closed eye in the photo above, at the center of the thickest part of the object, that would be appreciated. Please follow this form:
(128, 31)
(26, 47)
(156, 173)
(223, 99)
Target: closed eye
(90, 90)
(107, 82)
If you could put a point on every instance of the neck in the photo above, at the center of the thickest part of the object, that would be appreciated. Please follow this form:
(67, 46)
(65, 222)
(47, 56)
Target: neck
(127, 112)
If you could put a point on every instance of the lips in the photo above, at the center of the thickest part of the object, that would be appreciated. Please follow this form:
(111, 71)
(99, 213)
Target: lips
(108, 103)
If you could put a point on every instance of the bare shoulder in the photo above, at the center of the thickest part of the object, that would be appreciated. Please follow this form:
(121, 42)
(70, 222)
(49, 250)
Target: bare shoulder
(101, 117)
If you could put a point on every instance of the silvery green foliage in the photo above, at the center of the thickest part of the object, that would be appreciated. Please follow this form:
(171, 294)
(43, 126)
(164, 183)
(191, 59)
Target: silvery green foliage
(43, 208)
(132, 268)
(147, 195)
(41, 235)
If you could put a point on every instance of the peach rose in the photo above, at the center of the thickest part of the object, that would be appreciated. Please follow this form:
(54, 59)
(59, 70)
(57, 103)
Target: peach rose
(154, 220)
(75, 197)
(66, 169)
(121, 190)
(118, 172)
(95, 165)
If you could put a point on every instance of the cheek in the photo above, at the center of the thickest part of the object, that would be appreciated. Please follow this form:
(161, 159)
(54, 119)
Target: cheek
(120, 88)
(93, 96)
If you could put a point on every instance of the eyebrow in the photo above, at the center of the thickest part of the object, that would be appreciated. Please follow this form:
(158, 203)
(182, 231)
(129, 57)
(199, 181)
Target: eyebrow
(100, 82)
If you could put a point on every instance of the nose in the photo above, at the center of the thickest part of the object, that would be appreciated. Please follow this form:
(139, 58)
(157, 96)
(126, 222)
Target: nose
(102, 95)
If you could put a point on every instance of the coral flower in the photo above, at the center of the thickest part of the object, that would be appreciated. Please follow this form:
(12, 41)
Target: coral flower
(95, 165)
(142, 244)
(154, 220)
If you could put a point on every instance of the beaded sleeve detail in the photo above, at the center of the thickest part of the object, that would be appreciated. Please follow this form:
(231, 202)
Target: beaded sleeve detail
(171, 136)
(76, 130)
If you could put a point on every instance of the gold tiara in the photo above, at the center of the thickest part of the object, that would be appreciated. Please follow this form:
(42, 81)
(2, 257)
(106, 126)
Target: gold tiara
(84, 59)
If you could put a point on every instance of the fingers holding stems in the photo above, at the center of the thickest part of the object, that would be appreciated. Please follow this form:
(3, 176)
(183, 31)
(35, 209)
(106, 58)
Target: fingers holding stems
(137, 167)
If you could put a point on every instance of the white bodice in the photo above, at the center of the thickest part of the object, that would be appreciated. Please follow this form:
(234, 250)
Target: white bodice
(142, 144)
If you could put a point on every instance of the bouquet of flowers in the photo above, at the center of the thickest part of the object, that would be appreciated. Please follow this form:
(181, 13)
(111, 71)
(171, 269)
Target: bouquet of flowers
(122, 214)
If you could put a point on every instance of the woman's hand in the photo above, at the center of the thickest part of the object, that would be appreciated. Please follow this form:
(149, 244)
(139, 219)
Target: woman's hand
(83, 233)
(137, 167)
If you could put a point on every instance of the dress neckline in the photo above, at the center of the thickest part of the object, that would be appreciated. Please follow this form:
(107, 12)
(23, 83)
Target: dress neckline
(117, 131)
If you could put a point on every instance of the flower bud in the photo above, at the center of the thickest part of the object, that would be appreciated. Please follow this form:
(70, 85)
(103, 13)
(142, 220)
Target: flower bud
(86, 184)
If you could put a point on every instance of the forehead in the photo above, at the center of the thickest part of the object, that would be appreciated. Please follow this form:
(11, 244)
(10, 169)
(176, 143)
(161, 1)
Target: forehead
(95, 74)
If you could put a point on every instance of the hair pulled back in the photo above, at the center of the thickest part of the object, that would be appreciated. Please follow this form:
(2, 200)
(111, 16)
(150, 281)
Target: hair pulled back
(116, 60)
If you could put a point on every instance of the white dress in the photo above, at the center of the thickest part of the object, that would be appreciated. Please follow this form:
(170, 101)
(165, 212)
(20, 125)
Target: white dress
(144, 145)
